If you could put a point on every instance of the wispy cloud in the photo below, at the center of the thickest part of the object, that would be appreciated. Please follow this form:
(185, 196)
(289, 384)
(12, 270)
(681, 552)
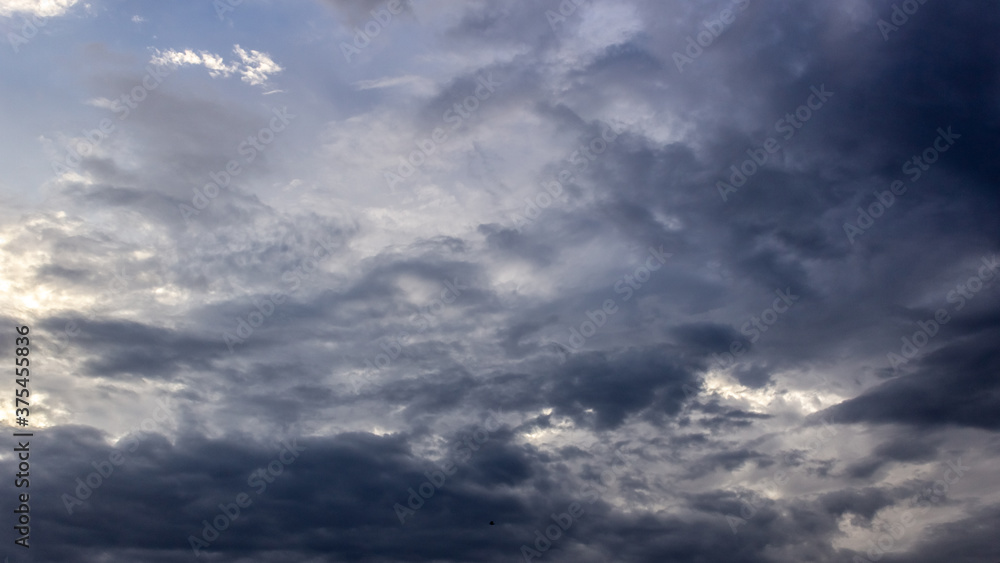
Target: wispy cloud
(42, 8)
(253, 67)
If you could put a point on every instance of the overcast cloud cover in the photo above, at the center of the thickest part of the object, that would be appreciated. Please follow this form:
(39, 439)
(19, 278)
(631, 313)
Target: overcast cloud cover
(632, 281)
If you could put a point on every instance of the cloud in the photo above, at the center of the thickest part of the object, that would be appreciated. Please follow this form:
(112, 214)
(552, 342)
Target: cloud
(379, 327)
(952, 386)
(254, 67)
(41, 8)
(418, 84)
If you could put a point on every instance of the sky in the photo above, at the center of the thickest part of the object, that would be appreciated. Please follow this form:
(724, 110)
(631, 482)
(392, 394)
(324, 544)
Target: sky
(498, 280)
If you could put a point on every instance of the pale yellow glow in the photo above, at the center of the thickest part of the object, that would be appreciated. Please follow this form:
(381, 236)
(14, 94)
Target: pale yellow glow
(765, 399)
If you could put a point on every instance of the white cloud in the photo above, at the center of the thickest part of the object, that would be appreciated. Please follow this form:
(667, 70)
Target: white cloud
(418, 84)
(254, 67)
(43, 8)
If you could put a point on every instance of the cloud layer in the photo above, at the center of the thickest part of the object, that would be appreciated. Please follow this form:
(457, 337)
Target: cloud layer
(634, 281)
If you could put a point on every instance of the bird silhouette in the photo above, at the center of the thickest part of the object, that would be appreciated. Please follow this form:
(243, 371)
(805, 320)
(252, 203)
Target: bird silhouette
(491, 523)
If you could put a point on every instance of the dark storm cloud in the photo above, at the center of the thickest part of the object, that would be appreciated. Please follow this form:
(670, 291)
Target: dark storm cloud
(615, 386)
(513, 336)
(865, 503)
(131, 349)
(901, 449)
(706, 336)
(337, 493)
(955, 385)
(514, 244)
(754, 376)
(723, 418)
(702, 435)
(726, 461)
(966, 541)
